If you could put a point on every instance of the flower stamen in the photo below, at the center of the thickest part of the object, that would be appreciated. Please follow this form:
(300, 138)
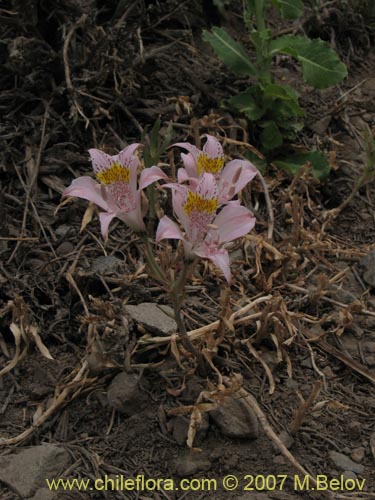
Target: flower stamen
(196, 203)
(205, 164)
(115, 173)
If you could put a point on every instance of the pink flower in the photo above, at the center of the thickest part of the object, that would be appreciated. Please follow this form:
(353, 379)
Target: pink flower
(117, 193)
(231, 177)
(205, 230)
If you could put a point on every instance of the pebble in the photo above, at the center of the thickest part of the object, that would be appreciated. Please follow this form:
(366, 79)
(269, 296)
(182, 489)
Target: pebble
(25, 472)
(190, 464)
(358, 454)
(45, 494)
(344, 463)
(355, 429)
(286, 439)
(125, 395)
(64, 248)
(348, 474)
(368, 117)
(328, 372)
(235, 419)
(181, 427)
(153, 317)
(368, 265)
(372, 444)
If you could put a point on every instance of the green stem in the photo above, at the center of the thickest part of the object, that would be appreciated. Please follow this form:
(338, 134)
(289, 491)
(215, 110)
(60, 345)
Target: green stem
(259, 15)
(154, 266)
(261, 44)
(177, 294)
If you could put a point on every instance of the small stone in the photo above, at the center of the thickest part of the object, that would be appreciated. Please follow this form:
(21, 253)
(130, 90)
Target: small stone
(64, 248)
(286, 439)
(368, 117)
(342, 295)
(358, 454)
(279, 460)
(125, 395)
(153, 317)
(372, 444)
(368, 265)
(344, 463)
(291, 383)
(320, 127)
(45, 494)
(328, 372)
(106, 264)
(355, 429)
(306, 363)
(190, 464)
(193, 387)
(348, 474)
(27, 471)
(235, 419)
(181, 427)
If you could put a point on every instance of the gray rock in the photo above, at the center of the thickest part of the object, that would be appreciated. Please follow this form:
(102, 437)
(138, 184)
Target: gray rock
(344, 463)
(154, 317)
(358, 454)
(235, 419)
(190, 464)
(27, 471)
(181, 427)
(348, 474)
(45, 494)
(106, 264)
(286, 439)
(372, 444)
(125, 394)
(368, 265)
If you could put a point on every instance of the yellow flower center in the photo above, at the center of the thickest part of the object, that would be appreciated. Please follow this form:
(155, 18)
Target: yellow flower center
(196, 203)
(209, 165)
(115, 173)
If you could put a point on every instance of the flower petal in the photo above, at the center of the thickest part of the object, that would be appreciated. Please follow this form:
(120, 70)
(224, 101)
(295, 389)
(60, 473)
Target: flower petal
(235, 176)
(105, 220)
(100, 160)
(190, 164)
(213, 148)
(207, 186)
(133, 218)
(219, 256)
(167, 229)
(127, 158)
(233, 222)
(86, 188)
(150, 175)
(189, 147)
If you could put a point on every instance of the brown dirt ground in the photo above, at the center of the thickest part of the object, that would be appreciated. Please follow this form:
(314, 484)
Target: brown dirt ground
(83, 74)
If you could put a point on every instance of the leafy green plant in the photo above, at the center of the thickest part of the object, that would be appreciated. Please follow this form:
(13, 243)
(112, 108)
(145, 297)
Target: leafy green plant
(273, 108)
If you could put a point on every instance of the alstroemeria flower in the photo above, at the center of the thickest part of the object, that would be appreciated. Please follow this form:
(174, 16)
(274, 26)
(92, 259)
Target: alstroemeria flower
(205, 230)
(117, 192)
(231, 177)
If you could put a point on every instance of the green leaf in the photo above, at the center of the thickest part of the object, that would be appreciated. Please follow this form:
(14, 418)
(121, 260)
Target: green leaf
(320, 165)
(281, 100)
(290, 9)
(229, 51)
(321, 65)
(249, 103)
(271, 136)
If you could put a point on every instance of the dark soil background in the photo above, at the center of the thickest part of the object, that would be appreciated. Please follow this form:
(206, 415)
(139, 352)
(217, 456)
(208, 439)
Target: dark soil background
(81, 74)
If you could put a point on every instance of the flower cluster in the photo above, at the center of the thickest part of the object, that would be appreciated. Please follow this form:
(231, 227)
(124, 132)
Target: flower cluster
(202, 197)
